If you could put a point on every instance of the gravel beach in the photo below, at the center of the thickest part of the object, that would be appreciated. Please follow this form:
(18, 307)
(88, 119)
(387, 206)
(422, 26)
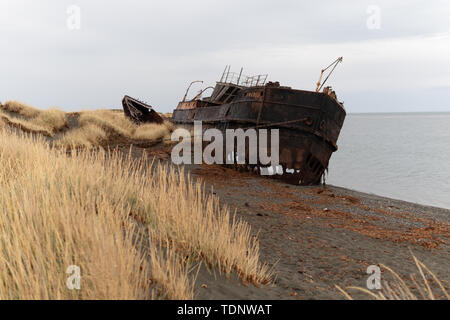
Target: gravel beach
(318, 237)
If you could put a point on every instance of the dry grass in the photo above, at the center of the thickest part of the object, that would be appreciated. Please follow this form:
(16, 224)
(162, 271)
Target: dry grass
(23, 125)
(399, 289)
(25, 110)
(167, 266)
(31, 119)
(116, 125)
(112, 122)
(87, 136)
(59, 211)
(98, 128)
(151, 132)
(198, 226)
(99, 210)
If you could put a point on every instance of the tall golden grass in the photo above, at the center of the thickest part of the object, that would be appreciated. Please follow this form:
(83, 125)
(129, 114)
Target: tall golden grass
(108, 214)
(87, 129)
(31, 119)
(399, 289)
(87, 136)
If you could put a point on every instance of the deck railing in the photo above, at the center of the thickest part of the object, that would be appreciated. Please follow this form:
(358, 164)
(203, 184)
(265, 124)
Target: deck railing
(243, 80)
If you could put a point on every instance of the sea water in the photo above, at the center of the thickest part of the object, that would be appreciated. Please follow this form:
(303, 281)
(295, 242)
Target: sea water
(403, 156)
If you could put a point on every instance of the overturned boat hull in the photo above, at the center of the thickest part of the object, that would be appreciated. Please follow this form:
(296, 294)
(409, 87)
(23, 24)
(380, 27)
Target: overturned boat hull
(139, 112)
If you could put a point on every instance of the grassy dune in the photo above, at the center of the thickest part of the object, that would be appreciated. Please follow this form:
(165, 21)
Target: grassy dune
(81, 129)
(135, 229)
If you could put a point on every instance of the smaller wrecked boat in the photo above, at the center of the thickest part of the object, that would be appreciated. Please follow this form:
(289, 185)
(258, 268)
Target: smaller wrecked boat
(139, 112)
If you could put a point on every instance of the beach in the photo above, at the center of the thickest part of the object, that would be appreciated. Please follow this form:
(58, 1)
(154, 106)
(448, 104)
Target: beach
(320, 236)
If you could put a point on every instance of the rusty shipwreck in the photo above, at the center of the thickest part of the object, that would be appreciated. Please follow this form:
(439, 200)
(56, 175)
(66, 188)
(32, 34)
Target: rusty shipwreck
(309, 122)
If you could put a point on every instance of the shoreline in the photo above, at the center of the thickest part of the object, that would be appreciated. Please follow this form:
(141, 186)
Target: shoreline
(442, 212)
(387, 197)
(318, 237)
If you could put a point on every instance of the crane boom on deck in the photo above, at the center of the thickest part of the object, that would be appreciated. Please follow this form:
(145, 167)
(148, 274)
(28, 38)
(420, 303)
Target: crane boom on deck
(334, 65)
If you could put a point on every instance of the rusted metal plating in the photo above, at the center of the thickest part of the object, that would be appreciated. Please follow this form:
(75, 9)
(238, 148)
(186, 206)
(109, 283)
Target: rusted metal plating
(309, 122)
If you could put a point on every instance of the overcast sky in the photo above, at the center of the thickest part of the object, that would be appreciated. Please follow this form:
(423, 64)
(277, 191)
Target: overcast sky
(396, 53)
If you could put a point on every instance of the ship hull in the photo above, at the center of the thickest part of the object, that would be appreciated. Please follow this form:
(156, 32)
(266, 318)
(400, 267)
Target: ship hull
(309, 124)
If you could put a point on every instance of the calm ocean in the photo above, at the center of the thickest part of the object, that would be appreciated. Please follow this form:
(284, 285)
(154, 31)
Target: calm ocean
(401, 156)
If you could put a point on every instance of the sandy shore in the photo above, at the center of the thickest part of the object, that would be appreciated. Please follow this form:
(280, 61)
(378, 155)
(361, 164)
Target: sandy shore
(319, 237)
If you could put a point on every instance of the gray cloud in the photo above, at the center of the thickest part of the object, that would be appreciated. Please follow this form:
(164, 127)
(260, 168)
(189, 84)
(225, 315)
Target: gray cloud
(153, 49)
